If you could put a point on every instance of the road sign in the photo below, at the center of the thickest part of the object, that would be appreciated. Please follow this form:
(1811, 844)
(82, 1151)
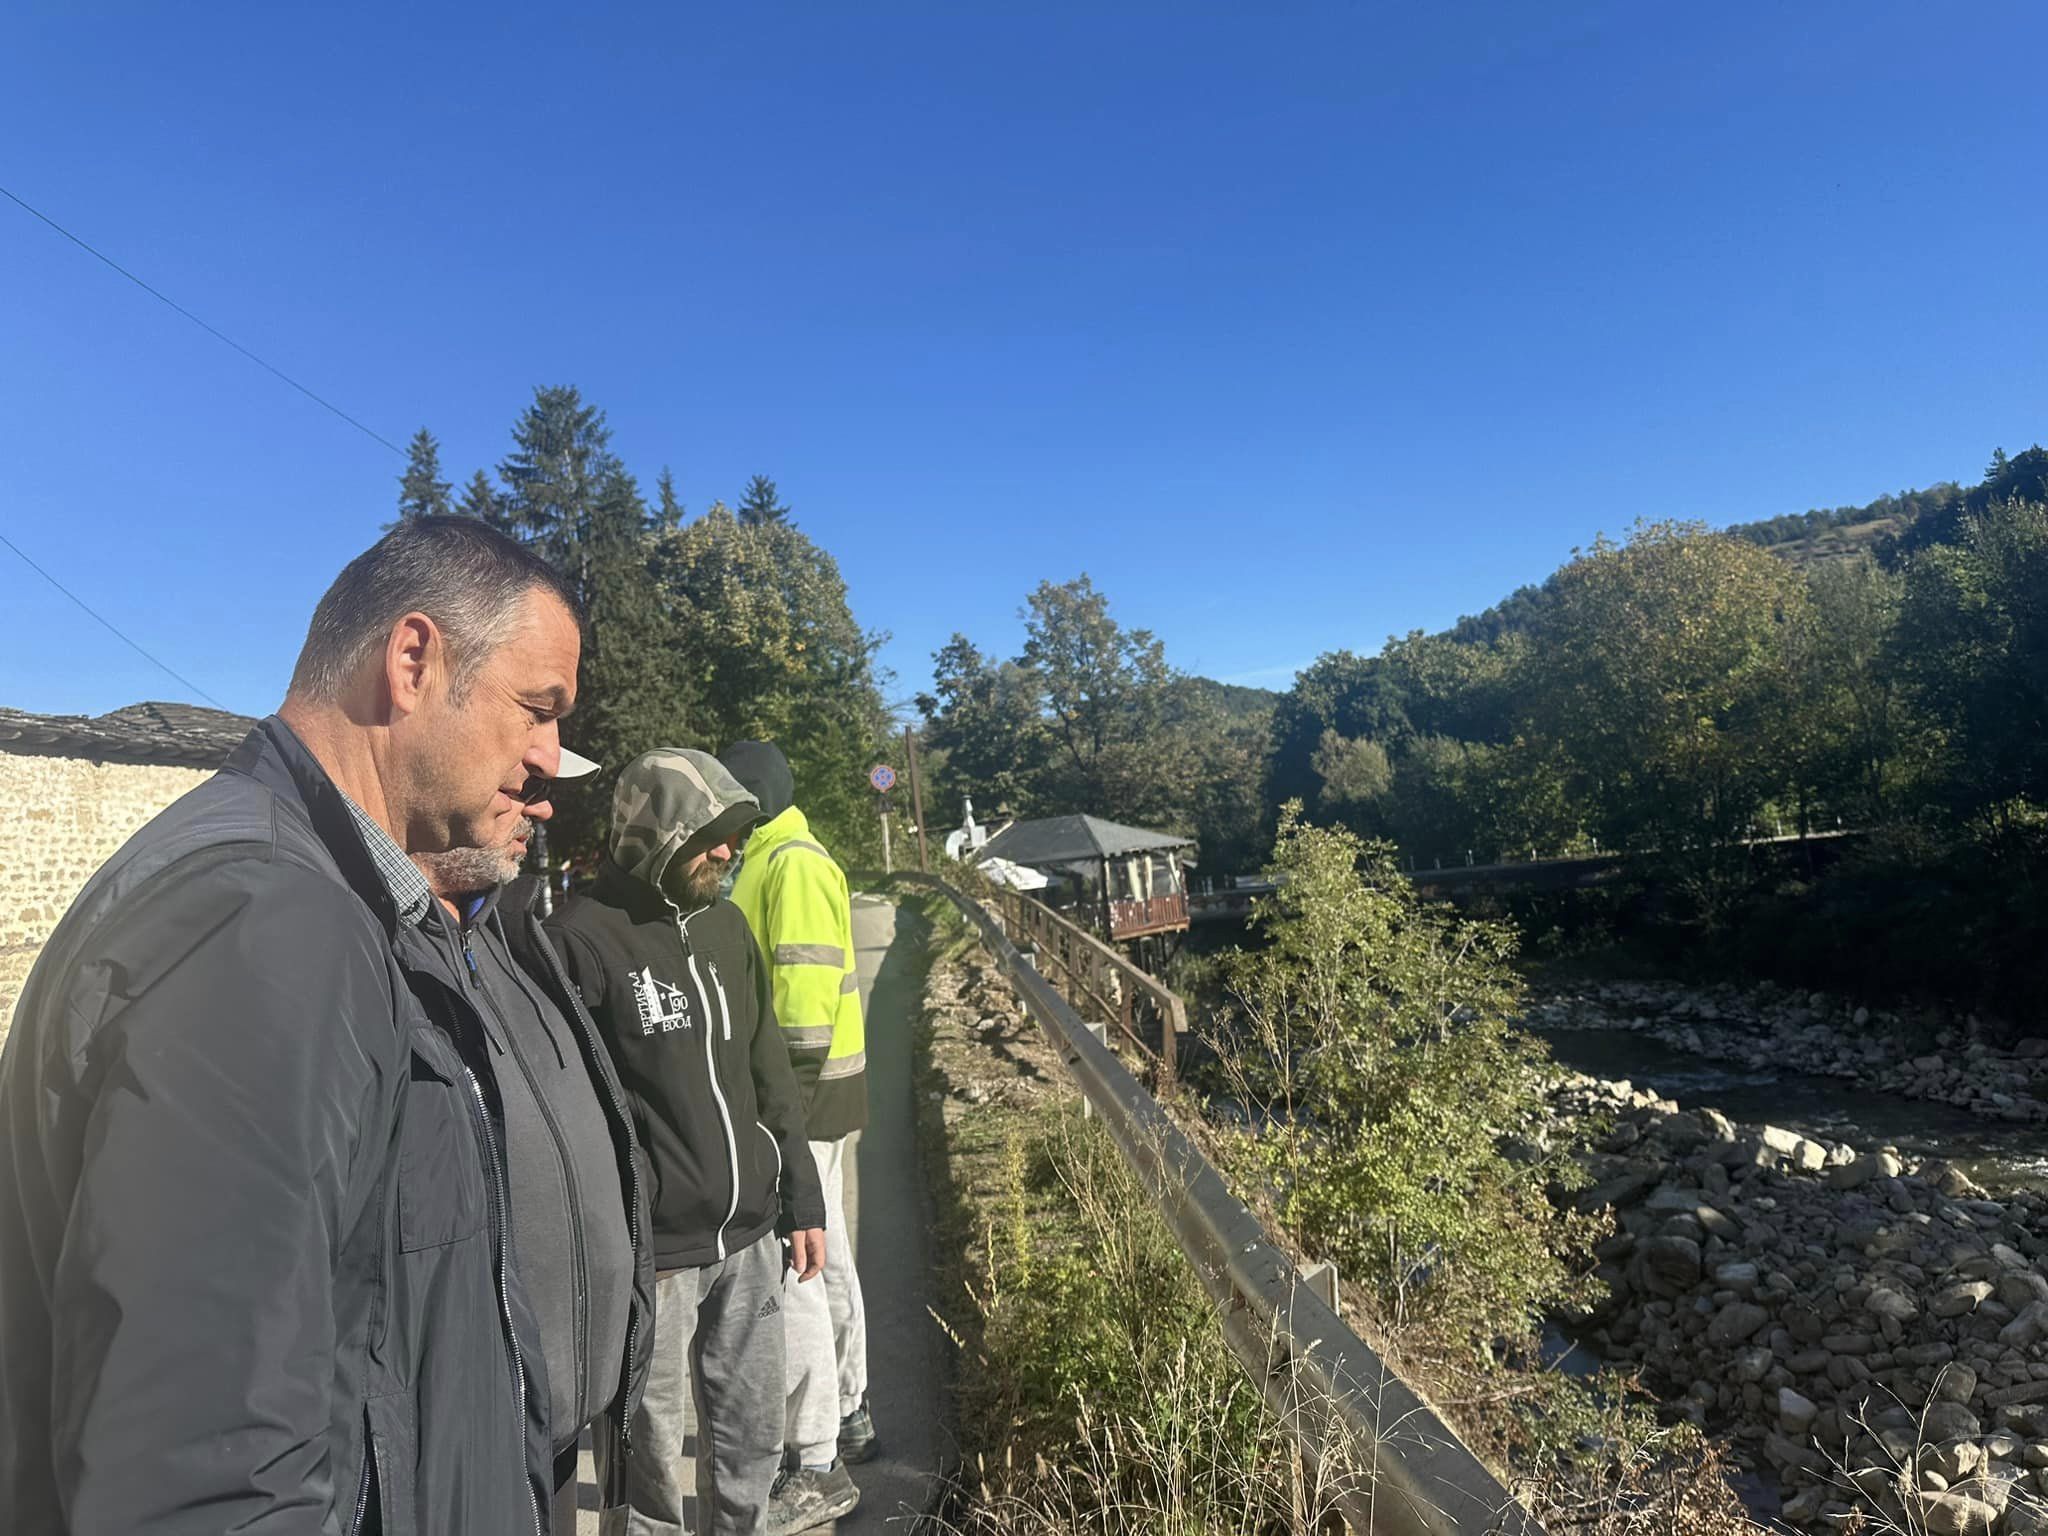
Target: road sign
(883, 777)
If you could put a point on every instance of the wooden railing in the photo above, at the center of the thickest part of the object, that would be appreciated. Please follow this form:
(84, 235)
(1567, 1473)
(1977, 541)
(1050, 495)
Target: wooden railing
(1132, 917)
(1094, 977)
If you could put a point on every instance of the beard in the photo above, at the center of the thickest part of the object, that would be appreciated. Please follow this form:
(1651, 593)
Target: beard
(460, 871)
(698, 883)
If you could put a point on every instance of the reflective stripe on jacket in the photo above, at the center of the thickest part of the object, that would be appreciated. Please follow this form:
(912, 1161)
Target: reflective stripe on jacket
(795, 899)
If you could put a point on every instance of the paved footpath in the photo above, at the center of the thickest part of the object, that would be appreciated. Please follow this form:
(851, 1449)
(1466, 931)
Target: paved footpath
(889, 1213)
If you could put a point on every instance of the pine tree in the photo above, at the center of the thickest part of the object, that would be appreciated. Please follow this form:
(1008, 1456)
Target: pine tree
(760, 503)
(633, 693)
(481, 501)
(421, 490)
(561, 457)
(668, 508)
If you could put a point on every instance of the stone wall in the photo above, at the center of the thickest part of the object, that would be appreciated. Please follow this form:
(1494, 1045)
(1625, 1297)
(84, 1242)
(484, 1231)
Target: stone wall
(60, 818)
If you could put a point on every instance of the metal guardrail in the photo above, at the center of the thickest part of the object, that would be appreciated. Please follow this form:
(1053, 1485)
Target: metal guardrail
(1099, 974)
(1394, 1467)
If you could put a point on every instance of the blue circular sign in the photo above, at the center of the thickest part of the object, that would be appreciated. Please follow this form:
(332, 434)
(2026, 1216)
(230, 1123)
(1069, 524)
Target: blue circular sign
(883, 777)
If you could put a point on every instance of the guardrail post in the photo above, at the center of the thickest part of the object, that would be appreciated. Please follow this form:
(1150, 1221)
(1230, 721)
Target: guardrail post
(1321, 1278)
(1101, 1033)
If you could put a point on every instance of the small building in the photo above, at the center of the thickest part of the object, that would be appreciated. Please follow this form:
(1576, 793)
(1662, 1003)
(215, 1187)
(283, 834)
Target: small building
(1126, 882)
(76, 788)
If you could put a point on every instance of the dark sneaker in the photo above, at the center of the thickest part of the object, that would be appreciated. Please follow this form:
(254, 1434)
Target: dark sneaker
(805, 1499)
(857, 1434)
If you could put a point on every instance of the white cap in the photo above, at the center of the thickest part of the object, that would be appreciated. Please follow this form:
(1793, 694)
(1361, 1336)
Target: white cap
(575, 766)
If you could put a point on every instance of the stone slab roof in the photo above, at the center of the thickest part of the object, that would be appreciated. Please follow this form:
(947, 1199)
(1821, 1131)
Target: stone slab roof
(169, 735)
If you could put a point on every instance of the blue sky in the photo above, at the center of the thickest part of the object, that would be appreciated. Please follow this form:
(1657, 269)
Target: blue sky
(1294, 325)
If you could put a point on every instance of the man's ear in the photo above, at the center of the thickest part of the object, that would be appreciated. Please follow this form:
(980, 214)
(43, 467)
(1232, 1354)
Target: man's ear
(415, 657)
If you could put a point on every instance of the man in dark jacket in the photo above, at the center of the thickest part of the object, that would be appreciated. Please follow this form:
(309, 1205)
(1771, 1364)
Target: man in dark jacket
(681, 996)
(254, 1260)
(580, 1224)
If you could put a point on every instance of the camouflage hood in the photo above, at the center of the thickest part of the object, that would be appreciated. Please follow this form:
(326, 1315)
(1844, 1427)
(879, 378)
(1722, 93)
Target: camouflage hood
(674, 801)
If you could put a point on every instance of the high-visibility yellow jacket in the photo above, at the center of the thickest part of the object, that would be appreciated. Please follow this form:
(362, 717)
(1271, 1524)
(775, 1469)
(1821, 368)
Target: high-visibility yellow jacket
(795, 899)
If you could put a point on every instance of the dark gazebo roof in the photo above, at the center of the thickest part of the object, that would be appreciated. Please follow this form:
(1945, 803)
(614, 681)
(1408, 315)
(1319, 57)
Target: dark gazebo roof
(167, 735)
(1069, 839)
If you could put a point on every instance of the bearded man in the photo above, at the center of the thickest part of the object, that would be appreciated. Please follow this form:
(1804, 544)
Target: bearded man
(578, 1200)
(681, 996)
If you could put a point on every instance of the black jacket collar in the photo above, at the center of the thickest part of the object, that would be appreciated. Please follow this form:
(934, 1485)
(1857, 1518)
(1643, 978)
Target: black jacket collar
(274, 757)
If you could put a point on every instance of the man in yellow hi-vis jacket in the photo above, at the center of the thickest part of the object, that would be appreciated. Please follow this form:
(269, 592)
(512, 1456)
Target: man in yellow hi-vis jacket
(795, 899)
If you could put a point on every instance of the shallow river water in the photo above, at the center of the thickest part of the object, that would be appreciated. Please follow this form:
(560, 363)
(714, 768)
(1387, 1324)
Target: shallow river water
(1996, 1153)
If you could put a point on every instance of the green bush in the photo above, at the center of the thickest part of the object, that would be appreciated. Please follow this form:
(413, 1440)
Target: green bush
(1369, 1034)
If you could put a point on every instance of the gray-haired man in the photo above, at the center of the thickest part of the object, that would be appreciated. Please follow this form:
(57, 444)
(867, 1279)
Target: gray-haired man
(578, 1198)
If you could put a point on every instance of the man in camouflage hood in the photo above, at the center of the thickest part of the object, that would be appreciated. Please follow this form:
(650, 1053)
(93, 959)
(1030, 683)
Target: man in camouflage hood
(681, 997)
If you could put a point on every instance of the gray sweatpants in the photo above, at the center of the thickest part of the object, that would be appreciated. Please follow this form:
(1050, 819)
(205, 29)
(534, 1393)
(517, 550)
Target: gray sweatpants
(708, 1436)
(828, 1333)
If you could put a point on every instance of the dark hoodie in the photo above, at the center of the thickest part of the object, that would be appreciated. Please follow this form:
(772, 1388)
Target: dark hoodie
(764, 773)
(682, 1000)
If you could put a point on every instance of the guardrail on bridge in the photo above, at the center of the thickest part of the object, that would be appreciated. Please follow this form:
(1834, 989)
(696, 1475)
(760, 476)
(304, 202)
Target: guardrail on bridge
(1394, 1467)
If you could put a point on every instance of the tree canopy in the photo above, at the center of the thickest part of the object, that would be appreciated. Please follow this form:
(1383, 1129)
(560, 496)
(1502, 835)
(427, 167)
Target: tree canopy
(696, 631)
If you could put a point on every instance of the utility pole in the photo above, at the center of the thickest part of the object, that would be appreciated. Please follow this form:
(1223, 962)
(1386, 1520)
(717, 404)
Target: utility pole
(916, 799)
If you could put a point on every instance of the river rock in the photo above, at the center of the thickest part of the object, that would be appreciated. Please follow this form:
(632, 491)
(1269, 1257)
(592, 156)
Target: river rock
(1796, 1412)
(1954, 1460)
(1719, 1127)
(2002, 1445)
(2022, 1289)
(1955, 1514)
(1792, 1455)
(1964, 1296)
(1624, 1190)
(1670, 1265)
(1883, 1302)
(1780, 1141)
(1736, 1322)
(1949, 1421)
(1740, 1275)
(1955, 1384)
(2030, 1325)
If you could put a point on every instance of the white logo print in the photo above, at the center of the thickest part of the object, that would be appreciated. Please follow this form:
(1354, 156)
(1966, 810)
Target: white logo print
(661, 1006)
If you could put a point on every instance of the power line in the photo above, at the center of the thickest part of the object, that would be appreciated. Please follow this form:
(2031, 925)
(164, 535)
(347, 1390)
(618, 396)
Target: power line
(217, 335)
(53, 581)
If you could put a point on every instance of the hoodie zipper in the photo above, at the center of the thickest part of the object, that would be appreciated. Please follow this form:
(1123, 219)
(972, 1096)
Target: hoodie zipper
(718, 986)
(732, 1147)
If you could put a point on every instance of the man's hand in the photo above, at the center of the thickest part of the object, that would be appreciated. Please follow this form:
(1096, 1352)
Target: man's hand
(807, 1253)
